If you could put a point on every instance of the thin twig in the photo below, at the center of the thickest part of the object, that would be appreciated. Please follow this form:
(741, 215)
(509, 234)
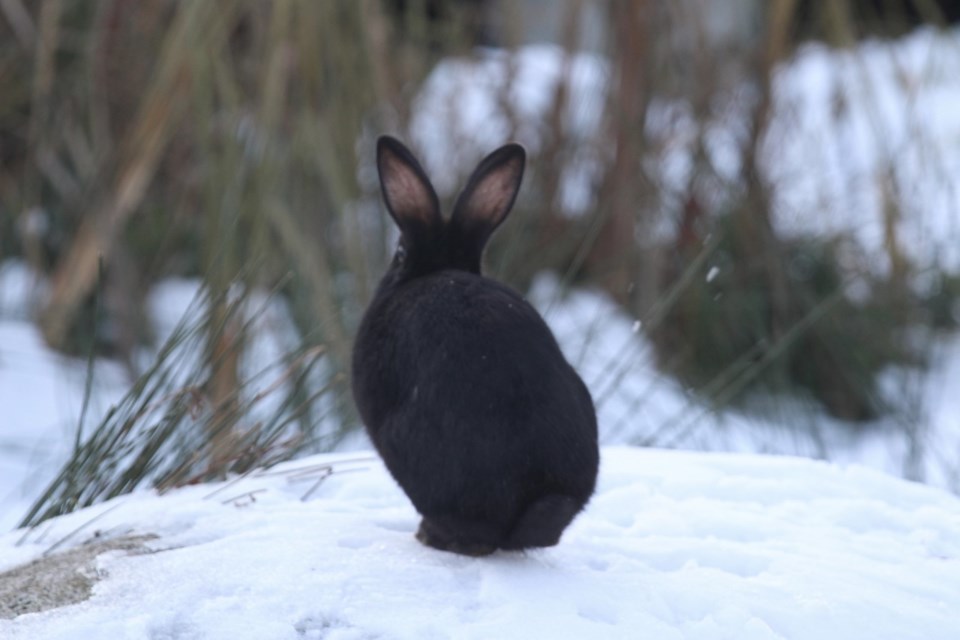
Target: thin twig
(324, 476)
(251, 494)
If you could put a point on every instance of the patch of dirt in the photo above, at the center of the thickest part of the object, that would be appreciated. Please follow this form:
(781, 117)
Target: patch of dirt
(61, 578)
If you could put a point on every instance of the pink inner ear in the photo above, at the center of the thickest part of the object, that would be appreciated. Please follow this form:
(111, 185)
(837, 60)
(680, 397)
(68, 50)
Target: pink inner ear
(492, 196)
(405, 191)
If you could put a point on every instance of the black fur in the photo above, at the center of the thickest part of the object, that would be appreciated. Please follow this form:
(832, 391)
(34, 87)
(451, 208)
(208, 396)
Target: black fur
(461, 385)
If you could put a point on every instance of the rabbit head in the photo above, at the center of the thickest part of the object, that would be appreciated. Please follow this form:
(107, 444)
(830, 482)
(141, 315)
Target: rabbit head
(428, 243)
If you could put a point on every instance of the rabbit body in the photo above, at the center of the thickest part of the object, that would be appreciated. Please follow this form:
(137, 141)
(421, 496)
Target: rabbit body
(465, 392)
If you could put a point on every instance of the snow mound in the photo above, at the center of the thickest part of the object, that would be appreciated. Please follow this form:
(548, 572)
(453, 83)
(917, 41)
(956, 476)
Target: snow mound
(674, 545)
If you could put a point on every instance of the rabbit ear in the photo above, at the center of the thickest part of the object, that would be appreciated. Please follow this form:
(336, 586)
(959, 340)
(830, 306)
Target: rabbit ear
(487, 199)
(407, 191)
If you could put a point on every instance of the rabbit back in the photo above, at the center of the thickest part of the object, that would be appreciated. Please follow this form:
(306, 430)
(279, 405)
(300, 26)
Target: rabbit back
(470, 402)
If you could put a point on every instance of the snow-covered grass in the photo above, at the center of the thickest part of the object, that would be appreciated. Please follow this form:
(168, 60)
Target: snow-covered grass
(674, 545)
(638, 405)
(856, 130)
(44, 393)
(851, 134)
(41, 395)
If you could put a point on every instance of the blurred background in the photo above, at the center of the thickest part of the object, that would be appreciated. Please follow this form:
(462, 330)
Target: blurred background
(741, 217)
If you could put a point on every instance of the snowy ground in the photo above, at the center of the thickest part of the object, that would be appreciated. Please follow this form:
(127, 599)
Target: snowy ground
(674, 545)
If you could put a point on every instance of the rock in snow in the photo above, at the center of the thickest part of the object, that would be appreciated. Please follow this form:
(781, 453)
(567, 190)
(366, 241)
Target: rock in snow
(673, 545)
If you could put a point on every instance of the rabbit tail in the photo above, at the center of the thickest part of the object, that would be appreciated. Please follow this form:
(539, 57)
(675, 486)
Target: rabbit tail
(542, 523)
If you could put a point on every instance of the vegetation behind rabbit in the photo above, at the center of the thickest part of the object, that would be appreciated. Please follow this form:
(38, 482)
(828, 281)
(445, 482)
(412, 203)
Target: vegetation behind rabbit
(461, 384)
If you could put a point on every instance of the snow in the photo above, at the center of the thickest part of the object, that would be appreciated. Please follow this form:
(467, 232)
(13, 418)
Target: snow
(461, 108)
(637, 405)
(850, 132)
(674, 545)
(879, 122)
(41, 394)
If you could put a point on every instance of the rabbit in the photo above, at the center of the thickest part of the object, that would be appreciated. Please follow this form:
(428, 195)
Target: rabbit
(460, 383)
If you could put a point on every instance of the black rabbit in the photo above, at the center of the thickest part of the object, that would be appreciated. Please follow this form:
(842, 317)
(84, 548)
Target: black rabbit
(461, 384)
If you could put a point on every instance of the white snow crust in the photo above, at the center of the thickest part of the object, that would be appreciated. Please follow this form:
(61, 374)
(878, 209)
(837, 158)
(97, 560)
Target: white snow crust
(674, 545)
